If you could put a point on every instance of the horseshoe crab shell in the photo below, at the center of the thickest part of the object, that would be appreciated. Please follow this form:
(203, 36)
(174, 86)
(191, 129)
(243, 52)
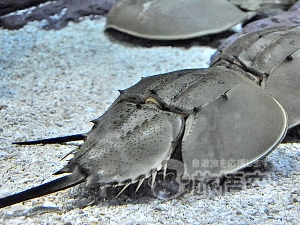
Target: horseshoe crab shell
(273, 55)
(173, 19)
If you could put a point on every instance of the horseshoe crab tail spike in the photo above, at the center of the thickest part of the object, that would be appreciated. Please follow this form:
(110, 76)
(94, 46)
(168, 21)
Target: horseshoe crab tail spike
(56, 185)
(57, 140)
(123, 189)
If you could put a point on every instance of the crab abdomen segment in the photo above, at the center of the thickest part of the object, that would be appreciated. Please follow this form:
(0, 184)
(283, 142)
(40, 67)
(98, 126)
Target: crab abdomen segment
(233, 131)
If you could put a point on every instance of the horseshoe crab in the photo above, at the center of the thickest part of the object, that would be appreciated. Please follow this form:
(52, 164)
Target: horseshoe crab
(155, 19)
(183, 19)
(217, 113)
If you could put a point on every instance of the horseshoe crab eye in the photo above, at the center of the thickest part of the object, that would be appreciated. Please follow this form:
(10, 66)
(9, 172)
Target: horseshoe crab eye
(151, 100)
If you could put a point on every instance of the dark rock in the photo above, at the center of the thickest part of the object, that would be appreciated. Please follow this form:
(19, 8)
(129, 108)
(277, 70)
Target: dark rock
(8, 6)
(293, 135)
(56, 14)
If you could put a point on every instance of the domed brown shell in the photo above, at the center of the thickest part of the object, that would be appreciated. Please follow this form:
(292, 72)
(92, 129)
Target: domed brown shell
(173, 19)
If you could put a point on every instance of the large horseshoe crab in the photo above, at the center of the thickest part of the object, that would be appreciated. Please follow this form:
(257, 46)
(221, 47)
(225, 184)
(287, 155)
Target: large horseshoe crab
(223, 113)
(183, 19)
(158, 20)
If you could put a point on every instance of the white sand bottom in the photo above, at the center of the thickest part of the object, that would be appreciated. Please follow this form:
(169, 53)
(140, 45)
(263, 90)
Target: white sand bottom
(52, 83)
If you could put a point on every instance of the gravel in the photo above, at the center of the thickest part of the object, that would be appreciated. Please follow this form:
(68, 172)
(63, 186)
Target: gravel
(53, 82)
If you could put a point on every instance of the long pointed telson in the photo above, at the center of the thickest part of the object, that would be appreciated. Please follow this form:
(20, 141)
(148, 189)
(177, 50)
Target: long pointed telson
(57, 140)
(59, 184)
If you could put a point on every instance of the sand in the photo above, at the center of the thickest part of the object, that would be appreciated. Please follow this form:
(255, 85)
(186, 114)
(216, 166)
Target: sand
(52, 83)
